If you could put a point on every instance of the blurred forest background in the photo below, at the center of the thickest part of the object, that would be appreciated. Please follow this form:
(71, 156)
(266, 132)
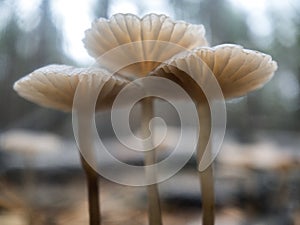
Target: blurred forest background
(34, 34)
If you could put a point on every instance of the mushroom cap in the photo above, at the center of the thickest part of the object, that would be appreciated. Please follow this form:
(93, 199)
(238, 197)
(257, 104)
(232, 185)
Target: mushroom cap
(54, 86)
(237, 70)
(262, 155)
(29, 142)
(146, 41)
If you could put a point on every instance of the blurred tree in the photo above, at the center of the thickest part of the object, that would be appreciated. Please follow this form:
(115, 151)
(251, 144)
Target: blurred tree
(227, 24)
(25, 47)
(101, 8)
(223, 23)
(285, 48)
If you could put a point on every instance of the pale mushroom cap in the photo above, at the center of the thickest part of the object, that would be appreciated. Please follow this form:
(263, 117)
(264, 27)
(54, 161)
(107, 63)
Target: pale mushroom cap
(261, 155)
(29, 142)
(133, 32)
(237, 70)
(54, 86)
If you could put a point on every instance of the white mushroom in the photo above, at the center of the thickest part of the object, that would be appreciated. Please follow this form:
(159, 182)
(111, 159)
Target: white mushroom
(237, 71)
(54, 86)
(29, 143)
(149, 41)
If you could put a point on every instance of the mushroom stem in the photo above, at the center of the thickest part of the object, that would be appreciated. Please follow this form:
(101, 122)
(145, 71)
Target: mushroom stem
(88, 163)
(208, 198)
(154, 209)
(206, 176)
(93, 192)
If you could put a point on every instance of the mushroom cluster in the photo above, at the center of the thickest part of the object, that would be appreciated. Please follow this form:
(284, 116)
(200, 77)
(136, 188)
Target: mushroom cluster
(150, 41)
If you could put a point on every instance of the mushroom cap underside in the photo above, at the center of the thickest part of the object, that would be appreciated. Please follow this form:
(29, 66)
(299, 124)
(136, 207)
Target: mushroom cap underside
(54, 86)
(138, 45)
(236, 70)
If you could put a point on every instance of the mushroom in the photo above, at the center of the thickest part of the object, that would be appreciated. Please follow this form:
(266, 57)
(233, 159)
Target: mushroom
(29, 144)
(259, 156)
(54, 86)
(238, 71)
(143, 39)
(148, 41)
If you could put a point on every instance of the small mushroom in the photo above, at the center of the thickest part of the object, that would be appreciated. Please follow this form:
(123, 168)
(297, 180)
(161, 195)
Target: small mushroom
(259, 156)
(148, 41)
(262, 156)
(54, 86)
(237, 70)
(29, 144)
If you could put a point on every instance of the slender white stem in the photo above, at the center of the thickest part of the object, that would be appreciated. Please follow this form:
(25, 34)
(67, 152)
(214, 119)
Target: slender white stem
(206, 176)
(93, 192)
(208, 198)
(92, 177)
(154, 210)
(85, 98)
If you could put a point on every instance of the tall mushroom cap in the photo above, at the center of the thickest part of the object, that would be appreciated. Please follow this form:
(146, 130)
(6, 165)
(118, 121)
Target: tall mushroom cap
(237, 70)
(54, 86)
(152, 37)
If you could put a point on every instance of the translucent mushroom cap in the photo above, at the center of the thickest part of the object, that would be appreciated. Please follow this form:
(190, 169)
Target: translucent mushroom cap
(237, 70)
(54, 86)
(146, 41)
